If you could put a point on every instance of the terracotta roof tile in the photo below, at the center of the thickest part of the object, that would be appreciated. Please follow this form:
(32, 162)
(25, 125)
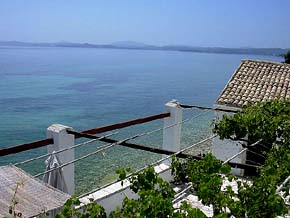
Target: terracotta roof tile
(256, 81)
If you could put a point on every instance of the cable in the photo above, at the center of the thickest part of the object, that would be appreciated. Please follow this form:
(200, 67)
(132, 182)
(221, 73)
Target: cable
(282, 185)
(100, 138)
(154, 164)
(256, 153)
(181, 194)
(237, 154)
(102, 148)
(167, 127)
(64, 149)
(107, 146)
(255, 163)
(242, 151)
(81, 134)
(185, 106)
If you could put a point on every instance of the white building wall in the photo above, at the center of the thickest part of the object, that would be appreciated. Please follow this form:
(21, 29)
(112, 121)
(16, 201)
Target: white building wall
(224, 149)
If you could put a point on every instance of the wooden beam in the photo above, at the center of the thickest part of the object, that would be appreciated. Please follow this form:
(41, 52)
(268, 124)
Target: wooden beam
(45, 142)
(125, 124)
(25, 147)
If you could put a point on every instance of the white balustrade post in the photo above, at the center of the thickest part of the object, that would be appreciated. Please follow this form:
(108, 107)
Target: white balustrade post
(171, 135)
(63, 140)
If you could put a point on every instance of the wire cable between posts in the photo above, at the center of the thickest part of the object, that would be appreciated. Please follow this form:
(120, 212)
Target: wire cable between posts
(283, 184)
(65, 149)
(109, 145)
(169, 126)
(256, 153)
(182, 193)
(242, 151)
(154, 164)
(185, 106)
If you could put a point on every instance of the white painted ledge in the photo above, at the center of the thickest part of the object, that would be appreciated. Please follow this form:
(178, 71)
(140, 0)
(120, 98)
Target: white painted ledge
(111, 197)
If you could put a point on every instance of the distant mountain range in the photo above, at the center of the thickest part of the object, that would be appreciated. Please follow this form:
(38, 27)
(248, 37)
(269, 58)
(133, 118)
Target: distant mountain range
(142, 46)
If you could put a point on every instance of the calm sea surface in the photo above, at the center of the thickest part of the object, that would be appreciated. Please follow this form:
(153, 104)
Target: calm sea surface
(86, 88)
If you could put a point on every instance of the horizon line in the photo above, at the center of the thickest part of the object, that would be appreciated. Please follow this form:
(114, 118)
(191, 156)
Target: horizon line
(140, 44)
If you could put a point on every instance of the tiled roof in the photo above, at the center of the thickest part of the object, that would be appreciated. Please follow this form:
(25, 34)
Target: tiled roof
(256, 81)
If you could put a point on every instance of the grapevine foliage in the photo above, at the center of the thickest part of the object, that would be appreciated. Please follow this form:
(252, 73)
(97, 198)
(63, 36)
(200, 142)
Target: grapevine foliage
(268, 122)
(91, 210)
(155, 198)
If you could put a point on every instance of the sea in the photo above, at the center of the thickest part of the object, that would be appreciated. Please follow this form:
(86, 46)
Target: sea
(86, 88)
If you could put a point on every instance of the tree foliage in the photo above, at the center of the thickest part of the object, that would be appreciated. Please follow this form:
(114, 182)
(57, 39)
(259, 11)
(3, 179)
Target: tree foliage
(287, 57)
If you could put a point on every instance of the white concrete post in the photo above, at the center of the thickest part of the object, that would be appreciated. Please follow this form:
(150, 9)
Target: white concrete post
(63, 140)
(171, 136)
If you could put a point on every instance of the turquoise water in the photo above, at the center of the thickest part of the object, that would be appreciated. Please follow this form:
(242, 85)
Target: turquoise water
(86, 88)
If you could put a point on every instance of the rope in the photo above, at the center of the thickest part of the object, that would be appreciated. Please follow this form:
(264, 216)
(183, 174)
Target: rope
(155, 163)
(64, 149)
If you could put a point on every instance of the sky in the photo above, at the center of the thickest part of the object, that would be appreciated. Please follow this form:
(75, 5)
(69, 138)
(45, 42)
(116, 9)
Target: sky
(220, 23)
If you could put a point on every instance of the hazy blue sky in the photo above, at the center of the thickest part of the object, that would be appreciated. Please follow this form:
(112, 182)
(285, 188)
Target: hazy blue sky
(229, 23)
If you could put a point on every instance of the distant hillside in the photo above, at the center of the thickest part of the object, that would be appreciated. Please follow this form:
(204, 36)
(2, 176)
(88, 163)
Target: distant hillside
(131, 44)
(257, 51)
(55, 44)
(142, 46)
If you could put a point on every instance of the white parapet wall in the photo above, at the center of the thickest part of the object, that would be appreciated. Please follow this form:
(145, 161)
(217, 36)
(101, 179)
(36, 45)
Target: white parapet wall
(111, 196)
(224, 149)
